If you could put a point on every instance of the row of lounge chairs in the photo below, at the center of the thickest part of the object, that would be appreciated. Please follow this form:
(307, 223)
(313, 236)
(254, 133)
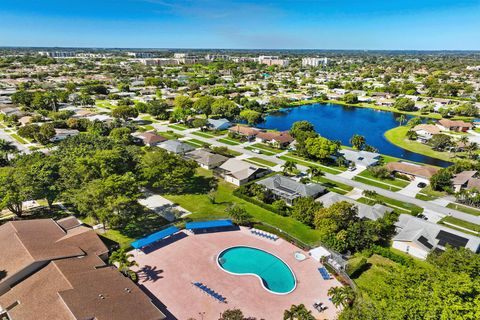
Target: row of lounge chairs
(264, 234)
(319, 306)
(210, 292)
(325, 275)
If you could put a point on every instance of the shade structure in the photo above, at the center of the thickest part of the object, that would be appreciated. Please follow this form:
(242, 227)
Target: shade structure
(154, 237)
(208, 224)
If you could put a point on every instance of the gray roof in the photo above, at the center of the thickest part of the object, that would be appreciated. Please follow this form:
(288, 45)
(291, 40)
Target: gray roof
(429, 235)
(363, 158)
(286, 187)
(239, 169)
(374, 212)
(176, 146)
(217, 123)
(205, 157)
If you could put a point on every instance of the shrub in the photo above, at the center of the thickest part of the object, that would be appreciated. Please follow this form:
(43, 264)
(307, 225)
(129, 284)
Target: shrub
(355, 268)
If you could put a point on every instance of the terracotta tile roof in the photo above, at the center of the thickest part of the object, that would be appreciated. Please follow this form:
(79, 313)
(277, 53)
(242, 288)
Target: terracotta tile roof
(433, 129)
(463, 177)
(151, 137)
(412, 169)
(450, 123)
(281, 137)
(244, 130)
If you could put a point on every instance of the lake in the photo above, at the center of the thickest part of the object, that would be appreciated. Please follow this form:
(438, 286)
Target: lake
(338, 122)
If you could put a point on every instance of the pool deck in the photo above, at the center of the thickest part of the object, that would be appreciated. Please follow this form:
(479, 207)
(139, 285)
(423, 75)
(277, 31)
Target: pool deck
(169, 269)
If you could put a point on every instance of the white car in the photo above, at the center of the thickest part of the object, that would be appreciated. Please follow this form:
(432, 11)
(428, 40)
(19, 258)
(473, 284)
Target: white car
(256, 151)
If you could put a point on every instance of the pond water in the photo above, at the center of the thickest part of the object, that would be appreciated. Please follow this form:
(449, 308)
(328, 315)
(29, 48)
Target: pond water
(337, 122)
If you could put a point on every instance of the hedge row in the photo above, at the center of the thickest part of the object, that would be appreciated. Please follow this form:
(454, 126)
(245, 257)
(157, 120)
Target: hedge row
(387, 253)
(256, 202)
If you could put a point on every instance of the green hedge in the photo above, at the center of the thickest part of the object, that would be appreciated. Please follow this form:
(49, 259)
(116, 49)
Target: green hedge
(387, 253)
(239, 194)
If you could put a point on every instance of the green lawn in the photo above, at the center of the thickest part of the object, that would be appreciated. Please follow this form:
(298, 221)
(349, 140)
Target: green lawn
(149, 118)
(399, 206)
(229, 142)
(260, 161)
(377, 184)
(264, 147)
(394, 181)
(265, 152)
(202, 209)
(234, 153)
(180, 127)
(197, 143)
(203, 134)
(397, 137)
(334, 186)
(308, 163)
(170, 135)
(475, 228)
(427, 194)
(465, 209)
(18, 138)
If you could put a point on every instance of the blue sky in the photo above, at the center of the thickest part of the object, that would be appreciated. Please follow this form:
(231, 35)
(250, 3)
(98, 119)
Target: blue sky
(265, 24)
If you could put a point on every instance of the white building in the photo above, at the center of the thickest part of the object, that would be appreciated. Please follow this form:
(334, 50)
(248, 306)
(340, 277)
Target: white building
(272, 61)
(57, 54)
(314, 62)
(140, 54)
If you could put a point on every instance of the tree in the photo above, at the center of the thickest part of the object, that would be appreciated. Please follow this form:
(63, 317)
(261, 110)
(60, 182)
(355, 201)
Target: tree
(6, 149)
(471, 148)
(314, 172)
(199, 123)
(357, 141)
(289, 167)
(304, 209)
(301, 131)
(298, 312)
(12, 190)
(45, 133)
(124, 262)
(342, 296)
(124, 112)
(168, 172)
(251, 116)
(401, 119)
(321, 148)
(404, 104)
(441, 180)
(182, 102)
(225, 108)
(204, 105)
(350, 98)
(414, 122)
(440, 142)
(238, 214)
(233, 314)
(121, 135)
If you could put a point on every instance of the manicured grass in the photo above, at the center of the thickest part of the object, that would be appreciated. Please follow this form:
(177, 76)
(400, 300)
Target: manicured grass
(394, 181)
(397, 136)
(399, 206)
(261, 161)
(197, 143)
(334, 186)
(308, 163)
(148, 127)
(268, 148)
(463, 208)
(203, 134)
(265, 152)
(170, 135)
(229, 142)
(149, 118)
(18, 138)
(104, 104)
(475, 228)
(202, 209)
(377, 184)
(180, 127)
(427, 194)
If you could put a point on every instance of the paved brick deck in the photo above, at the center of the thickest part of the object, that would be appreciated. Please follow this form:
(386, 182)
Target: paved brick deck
(169, 269)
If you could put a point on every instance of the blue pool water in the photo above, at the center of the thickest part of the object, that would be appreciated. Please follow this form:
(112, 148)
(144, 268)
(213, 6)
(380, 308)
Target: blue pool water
(275, 275)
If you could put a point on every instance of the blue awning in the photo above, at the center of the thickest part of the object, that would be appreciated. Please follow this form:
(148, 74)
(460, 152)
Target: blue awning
(208, 224)
(154, 237)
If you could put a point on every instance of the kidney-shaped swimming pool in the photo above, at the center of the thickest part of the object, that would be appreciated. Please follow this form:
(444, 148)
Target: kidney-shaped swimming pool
(274, 274)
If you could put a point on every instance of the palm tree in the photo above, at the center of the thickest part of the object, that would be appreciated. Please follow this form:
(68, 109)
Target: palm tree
(343, 296)
(6, 148)
(314, 172)
(289, 166)
(471, 148)
(357, 141)
(401, 119)
(298, 312)
(124, 262)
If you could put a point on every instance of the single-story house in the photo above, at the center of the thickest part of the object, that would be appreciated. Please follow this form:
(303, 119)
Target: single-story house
(425, 131)
(360, 158)
(374, 212)
(276, 139)
(245, 131)
(176, 146)
(206, 159)
(219, 124)
(289, 189)
(151, 139)
(460, 180)
(412, 169)
(473, 183)
(450, 125)
(240, 172)
(62, 134)
(418, 237)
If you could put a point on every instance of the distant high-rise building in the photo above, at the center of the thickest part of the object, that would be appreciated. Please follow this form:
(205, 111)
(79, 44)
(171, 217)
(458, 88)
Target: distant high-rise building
(272, 61)
(57, 54)
(314, 62)
(140, 54)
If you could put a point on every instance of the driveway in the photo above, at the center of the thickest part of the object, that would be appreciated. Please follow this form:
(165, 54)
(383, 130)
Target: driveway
(163, 207)
(411, 190)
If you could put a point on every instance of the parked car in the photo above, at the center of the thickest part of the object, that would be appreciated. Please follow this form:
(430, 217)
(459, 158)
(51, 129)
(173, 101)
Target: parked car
(256, 151)
(422, 185)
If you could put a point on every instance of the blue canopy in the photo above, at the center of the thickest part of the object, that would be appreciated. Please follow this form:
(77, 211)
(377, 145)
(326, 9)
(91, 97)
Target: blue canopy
(154, 237)
(208, 224)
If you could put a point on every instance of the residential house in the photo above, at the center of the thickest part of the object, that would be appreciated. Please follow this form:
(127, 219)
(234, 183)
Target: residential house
(62, 134)
(176, 146)
(460, 180)
(206, 159)
(360, 158)
(450, 125)
(374, 212)
(151, 139)
(276, 139)
(288, 189)
(418, 237)
(425, 131)
(411, 169)
(240, 172)
(247, 132)
(57, 270)
(219, 124)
